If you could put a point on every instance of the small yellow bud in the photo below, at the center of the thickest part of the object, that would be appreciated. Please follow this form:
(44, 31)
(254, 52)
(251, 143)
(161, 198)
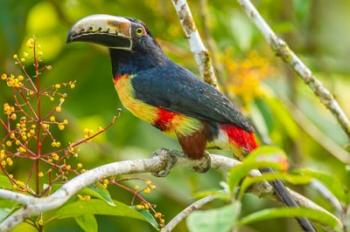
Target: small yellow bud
(40, 174)
(57, 86)
(140, 206)
(52, 119)
(60, 126)
(9, 161)
(106, 181)
(158, 215)
(8, 143)
(45, 126)
(15, 56)
(30, 43)
(3, 76)
(58, 109)
(79, 165)
(13, 117)
(40, 221)
(22, 149)
(147, 190)
(55, 156)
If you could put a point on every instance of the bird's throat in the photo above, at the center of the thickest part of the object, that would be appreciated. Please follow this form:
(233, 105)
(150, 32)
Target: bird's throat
(126, 62)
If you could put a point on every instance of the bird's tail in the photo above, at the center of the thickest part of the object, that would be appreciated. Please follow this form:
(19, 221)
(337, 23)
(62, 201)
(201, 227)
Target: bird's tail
(284, 195)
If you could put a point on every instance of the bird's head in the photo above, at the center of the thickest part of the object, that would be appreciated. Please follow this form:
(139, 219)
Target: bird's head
(114, 32)
(130, 42)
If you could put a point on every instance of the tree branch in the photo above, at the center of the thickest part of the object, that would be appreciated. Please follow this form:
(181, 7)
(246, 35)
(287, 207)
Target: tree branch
(35, 206)
(289, 57)
(196, 44)
(186, 212)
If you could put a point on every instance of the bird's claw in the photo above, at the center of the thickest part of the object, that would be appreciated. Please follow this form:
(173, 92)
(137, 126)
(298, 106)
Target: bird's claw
(169, 158)
(204, 164)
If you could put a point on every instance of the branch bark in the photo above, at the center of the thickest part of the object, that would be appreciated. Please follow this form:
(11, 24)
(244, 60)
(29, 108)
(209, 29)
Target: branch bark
(33, 206)
(289, 57)
(196, 44)
(186, 212)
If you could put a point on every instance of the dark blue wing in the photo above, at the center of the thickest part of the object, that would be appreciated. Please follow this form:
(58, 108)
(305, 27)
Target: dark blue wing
(177, 89)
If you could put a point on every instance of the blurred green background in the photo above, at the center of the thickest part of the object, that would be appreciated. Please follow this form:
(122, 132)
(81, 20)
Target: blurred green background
(318, 30)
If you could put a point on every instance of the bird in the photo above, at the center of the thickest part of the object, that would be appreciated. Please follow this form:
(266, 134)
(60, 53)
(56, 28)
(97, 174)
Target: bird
(168, 96)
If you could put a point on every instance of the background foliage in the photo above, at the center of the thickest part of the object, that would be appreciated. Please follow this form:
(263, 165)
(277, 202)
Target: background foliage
(317, 30)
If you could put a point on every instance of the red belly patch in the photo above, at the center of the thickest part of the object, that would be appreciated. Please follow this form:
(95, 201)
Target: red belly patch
(240, 137)
(164, 119)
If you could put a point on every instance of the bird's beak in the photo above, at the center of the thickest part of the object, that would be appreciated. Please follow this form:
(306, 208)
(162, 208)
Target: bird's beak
(110, 31)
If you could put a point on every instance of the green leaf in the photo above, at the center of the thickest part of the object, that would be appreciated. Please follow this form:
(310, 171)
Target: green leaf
(87, 222)
(93, 207)
(262, 157)
(317, 215)
(219, 220)
(282, 116)
(238, 172)
(294, 179)
(149, 217)
(100, 193)
(333, 184)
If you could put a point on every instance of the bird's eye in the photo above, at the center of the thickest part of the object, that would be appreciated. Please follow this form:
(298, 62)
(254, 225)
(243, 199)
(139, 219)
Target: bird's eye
(139, 31)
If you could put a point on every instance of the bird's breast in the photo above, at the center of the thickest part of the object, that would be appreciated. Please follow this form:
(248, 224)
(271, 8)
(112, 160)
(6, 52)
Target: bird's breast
(165, 120)
(137, 107)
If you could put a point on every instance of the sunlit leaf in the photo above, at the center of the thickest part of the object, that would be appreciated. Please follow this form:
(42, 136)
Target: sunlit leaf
(221, 219)
(282, 116)
(5, 182)
(100, 193)
(263, 157)
(319, 216)
(251, 180)
(87, 222)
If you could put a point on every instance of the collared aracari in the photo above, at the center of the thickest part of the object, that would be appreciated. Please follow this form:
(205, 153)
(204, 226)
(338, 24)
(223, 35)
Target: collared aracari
(168, 96)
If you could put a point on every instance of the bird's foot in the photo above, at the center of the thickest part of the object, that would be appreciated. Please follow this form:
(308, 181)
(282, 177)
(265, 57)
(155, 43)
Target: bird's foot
(204, 164)
(169, 157)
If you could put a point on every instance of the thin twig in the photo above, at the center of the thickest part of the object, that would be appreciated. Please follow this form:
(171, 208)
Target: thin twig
(186, 212)
(316, 134)
(329, 196)
(288, 56)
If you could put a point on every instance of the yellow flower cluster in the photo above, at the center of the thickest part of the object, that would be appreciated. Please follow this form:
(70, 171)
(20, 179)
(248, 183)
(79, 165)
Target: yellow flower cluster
(84, 197)
(245, 76)
(12, 80)
(4, 160)
(8, 109)
(150, 186)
